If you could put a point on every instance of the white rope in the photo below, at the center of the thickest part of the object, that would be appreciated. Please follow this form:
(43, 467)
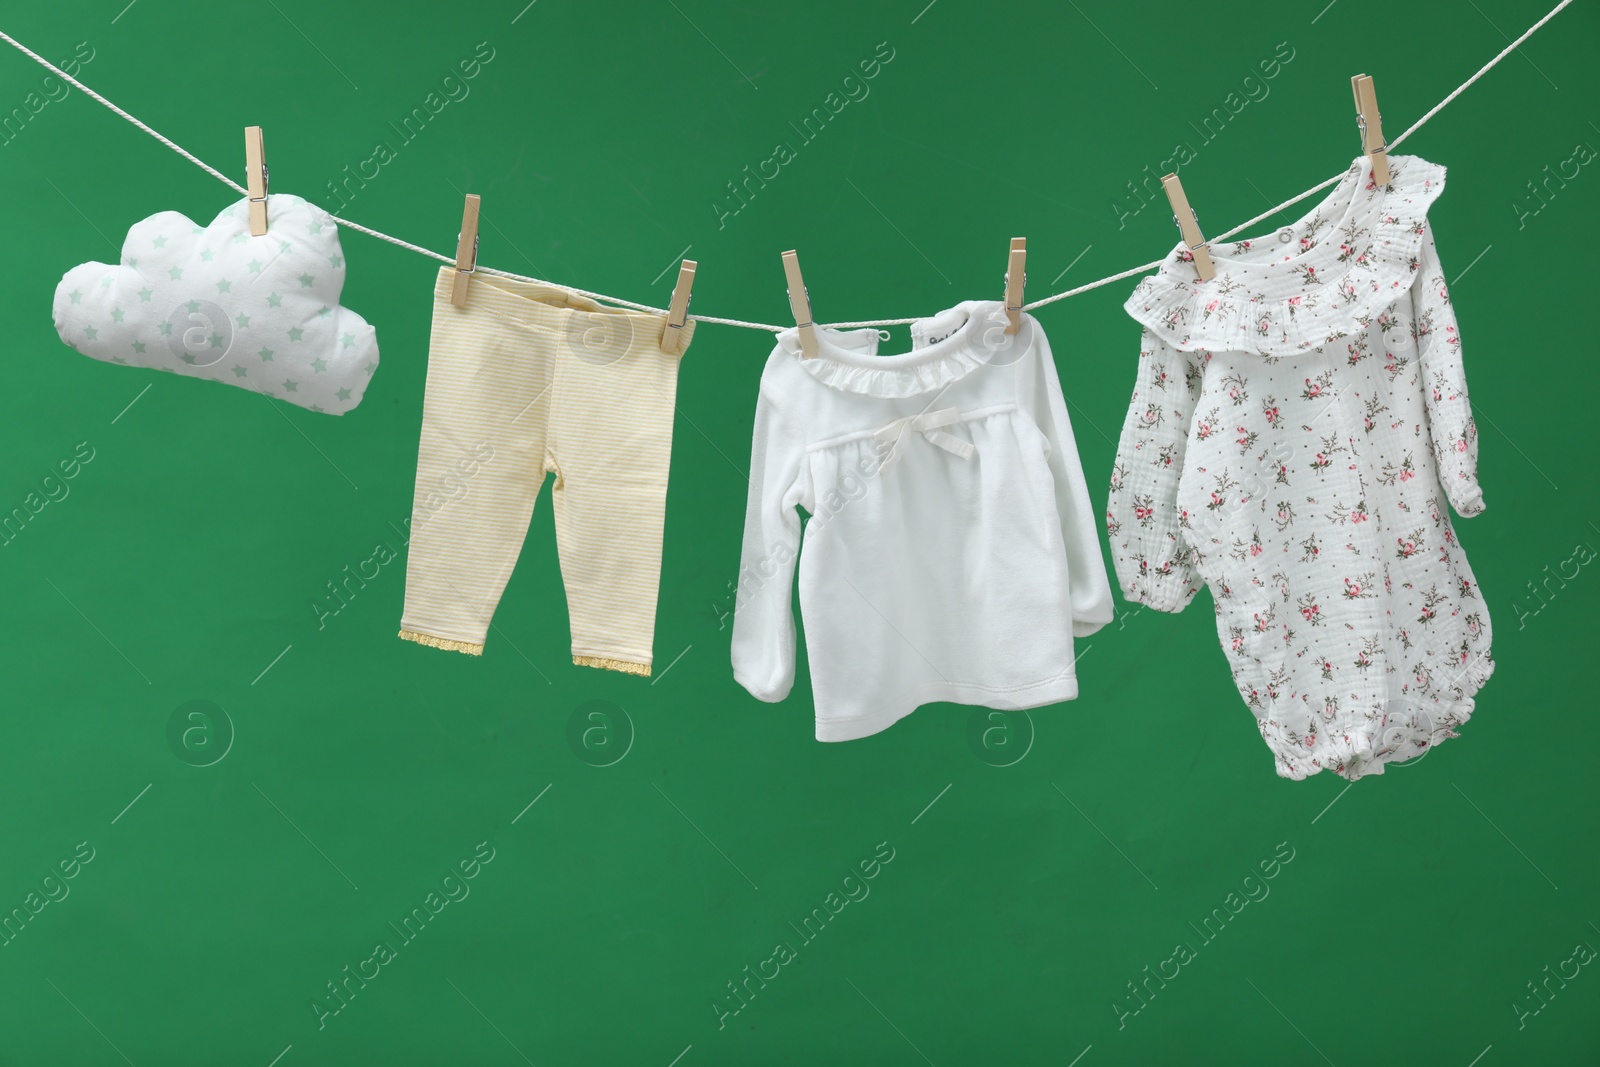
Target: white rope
(197, 161)
(1315, 189)
(1464, 86)
(1119, 276)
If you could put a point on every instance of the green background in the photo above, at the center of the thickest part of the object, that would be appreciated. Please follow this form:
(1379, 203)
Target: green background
(1021, 899)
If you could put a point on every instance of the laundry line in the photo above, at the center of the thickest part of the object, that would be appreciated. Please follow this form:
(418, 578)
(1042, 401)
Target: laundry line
(1096, 284)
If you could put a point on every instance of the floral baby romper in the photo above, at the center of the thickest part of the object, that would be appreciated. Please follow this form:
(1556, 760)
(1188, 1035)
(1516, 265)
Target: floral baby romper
(1297, 432)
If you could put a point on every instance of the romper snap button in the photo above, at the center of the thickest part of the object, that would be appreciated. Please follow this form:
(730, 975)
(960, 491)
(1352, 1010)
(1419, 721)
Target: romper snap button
(1286, 235)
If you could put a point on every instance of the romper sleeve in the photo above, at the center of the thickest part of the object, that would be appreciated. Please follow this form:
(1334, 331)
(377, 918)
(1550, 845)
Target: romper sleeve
(763, 644)
(1142, 516)
(1087, 584)
(1451, 429)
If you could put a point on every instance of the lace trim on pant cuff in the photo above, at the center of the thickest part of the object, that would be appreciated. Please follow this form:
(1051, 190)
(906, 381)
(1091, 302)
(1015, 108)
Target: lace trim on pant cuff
(469, 647)
(607, 663)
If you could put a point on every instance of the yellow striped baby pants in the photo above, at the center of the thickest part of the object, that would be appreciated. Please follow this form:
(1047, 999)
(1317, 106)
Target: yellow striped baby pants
(526, 379)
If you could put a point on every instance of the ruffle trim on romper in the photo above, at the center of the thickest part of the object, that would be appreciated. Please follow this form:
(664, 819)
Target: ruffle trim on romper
(1305, 299)
(914, 380)
(849, 361)
(1356, 756)
(471, 648)
(607, 663)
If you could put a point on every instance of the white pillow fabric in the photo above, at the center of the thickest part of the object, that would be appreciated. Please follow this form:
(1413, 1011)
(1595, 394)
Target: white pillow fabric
(213, 302)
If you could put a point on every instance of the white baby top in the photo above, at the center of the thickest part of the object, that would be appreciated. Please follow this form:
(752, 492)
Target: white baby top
(950, 553)
(1298, 424)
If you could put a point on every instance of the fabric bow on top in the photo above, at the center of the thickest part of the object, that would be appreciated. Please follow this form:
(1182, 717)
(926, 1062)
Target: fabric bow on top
(928, 424)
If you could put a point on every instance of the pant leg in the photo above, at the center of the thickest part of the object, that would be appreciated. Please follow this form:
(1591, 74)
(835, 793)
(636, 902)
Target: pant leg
(611, 439)
(480, 464)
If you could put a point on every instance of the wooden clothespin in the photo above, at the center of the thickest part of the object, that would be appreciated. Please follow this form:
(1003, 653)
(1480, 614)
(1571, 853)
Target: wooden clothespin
(800, 304)
(1016, 276)
(255, 166)
(1189, 227)
(466, 251)
(678, 310)
(1370, 122)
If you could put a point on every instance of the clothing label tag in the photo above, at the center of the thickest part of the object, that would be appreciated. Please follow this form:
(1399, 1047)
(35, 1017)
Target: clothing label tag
(931, 331)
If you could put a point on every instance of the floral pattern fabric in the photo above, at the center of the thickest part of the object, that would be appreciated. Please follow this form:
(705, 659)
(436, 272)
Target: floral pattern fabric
(1298, 432)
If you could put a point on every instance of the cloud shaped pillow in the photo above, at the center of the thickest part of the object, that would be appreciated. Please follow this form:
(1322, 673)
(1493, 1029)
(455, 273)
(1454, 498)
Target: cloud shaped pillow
(213, 302)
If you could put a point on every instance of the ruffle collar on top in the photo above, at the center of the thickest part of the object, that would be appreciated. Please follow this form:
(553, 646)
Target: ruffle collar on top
(1341, 265)
(946, 348)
